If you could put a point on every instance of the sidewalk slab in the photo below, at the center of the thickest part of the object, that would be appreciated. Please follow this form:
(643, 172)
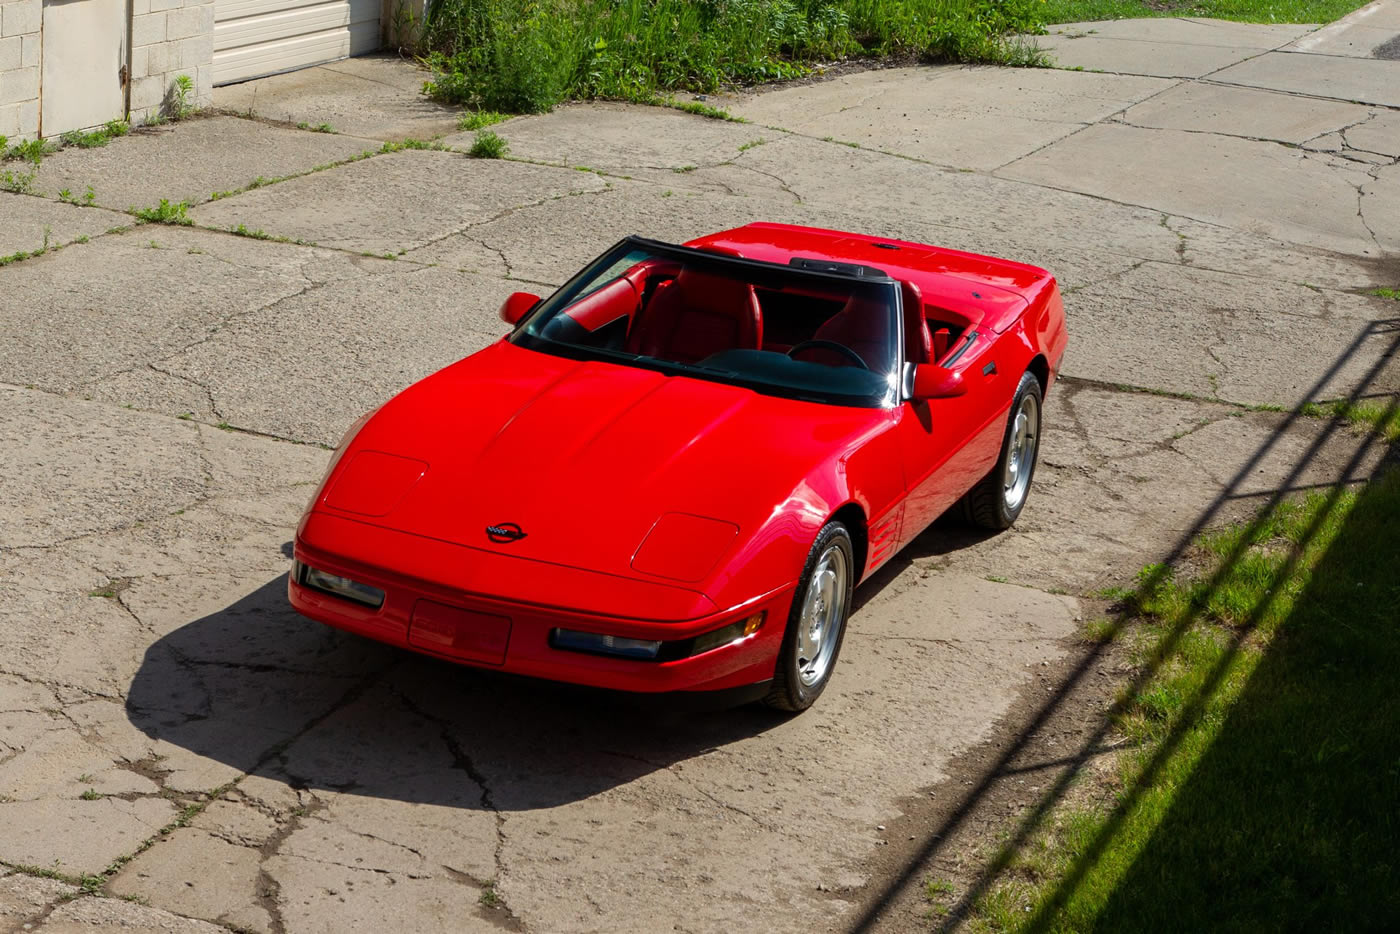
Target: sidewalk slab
(1139, 57)
(1363, 81)
(1246, 112)
(977, 118)
(189, 161)
(1187, 30)
(660, 143)
(1255, 186)
(377, 97)
(395, 202)
(29, 223)
(1356, 35)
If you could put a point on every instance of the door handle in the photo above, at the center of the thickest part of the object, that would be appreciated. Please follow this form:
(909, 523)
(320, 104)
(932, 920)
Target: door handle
(989, 369)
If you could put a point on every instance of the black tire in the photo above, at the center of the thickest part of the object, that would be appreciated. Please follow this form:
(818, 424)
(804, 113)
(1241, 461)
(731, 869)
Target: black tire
(790, 690)
(989, 503)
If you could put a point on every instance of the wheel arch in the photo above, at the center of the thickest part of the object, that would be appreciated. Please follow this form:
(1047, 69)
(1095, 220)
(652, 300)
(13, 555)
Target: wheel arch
(1040, 367)
(852, 516)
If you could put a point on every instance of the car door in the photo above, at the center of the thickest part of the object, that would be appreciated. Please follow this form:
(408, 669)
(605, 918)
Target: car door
(947, 445)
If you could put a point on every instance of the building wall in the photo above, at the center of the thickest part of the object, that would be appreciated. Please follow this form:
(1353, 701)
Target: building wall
(170, 38)
(20, 21)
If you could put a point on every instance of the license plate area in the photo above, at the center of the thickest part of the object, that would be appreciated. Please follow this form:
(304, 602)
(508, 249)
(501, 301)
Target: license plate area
(458, 633)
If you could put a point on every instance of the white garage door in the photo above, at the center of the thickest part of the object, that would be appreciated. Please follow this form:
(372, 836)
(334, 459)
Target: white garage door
(262, 37)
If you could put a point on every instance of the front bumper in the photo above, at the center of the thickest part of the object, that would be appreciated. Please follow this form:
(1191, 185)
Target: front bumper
(510, 635)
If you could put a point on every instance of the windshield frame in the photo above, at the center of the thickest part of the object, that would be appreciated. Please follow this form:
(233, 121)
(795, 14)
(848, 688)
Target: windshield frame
(757, 272)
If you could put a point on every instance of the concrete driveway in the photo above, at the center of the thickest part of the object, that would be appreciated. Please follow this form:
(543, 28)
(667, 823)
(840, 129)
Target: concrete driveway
(1218, 202)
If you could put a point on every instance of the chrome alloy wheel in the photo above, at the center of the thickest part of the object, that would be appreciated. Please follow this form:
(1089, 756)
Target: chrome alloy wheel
(1021, 451)
(823, 614)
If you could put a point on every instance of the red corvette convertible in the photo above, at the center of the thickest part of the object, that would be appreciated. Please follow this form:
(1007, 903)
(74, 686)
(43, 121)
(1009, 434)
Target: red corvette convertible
(670, 475)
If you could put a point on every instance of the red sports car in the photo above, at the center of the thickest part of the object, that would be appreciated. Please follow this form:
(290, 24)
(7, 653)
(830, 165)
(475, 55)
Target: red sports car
(670, 475)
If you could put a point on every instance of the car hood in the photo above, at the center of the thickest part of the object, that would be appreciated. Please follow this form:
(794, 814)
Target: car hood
(578, 462)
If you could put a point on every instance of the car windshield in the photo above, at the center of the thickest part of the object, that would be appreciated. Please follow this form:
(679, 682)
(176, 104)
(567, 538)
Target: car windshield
(816, 330)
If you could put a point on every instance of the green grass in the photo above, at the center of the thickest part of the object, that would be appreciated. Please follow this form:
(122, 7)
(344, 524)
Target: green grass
(1392, 294)
(1261, 789)
(525, 56)
(1248, 11)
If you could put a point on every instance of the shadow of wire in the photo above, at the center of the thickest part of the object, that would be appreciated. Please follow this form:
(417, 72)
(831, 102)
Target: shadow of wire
(881, 900)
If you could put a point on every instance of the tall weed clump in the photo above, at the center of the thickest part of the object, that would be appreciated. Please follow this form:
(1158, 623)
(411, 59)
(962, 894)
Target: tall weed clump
(524, 56)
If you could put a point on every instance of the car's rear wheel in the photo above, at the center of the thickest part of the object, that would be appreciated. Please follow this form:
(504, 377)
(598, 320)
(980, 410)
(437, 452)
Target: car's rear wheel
(817, 622)
(998, 498)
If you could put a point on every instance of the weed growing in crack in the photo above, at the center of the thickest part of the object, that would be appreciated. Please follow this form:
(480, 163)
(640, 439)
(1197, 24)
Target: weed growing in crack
(181, 102)
(1392, 294)
(21, 183)
(480, 119)
(96, 138)
(700, 109)
(92, 794)
(489, 898)
(487, 145)
(410, 143)
(166, 212)
(751, 144)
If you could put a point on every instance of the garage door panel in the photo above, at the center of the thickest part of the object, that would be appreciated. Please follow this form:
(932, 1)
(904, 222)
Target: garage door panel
(262, 37)
(268, 58)
(275, 27)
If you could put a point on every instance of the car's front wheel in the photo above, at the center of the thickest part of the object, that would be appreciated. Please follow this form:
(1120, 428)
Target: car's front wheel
(817, 621)
(996, 501)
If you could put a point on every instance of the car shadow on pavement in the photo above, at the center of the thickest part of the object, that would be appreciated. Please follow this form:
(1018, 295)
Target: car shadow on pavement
(261, 689)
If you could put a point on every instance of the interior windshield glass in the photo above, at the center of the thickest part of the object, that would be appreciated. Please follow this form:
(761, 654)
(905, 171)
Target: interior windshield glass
(822, 335)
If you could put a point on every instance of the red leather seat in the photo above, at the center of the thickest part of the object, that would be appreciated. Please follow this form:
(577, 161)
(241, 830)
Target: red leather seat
(696, 315)
(862, 326)
(918, 342)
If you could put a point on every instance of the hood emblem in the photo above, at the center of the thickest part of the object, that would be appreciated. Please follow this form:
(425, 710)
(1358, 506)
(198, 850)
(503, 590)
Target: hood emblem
(504, 533)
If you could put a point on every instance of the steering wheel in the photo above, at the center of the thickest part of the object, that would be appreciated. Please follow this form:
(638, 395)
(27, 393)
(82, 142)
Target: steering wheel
(842, 349)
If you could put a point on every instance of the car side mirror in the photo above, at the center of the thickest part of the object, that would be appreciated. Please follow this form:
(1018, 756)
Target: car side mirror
(937, 382)
(517, 306)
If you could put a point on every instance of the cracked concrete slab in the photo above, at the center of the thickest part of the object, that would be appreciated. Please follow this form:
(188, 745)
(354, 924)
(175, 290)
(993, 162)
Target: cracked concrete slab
(1364, 81)
(1192, 30)
(1381, 134)
(956, 116)
(1259, 187)
(621, 139)
(189, 161)
(1086, 51)
(1246, 112)
(1242, 340)
(122, 302)
(94, 915)
(395, 202)
(25, 897)
(372, 96)
(28, 224)
(79, 837)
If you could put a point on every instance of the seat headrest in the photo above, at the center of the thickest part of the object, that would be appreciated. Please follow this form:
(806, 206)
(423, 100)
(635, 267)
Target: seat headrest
(918, 342)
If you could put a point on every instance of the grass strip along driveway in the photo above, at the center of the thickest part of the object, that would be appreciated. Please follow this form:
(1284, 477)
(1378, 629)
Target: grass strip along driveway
(1260, 786)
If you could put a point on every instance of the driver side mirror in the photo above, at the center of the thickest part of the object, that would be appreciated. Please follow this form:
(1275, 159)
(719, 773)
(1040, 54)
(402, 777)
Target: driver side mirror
(517, 306)
(937, 382)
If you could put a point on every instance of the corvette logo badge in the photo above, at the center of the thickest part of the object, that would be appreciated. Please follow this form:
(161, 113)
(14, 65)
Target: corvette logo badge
(504, 532)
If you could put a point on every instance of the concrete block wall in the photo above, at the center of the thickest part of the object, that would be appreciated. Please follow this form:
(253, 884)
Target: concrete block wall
(20, 22)
(170, 38)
